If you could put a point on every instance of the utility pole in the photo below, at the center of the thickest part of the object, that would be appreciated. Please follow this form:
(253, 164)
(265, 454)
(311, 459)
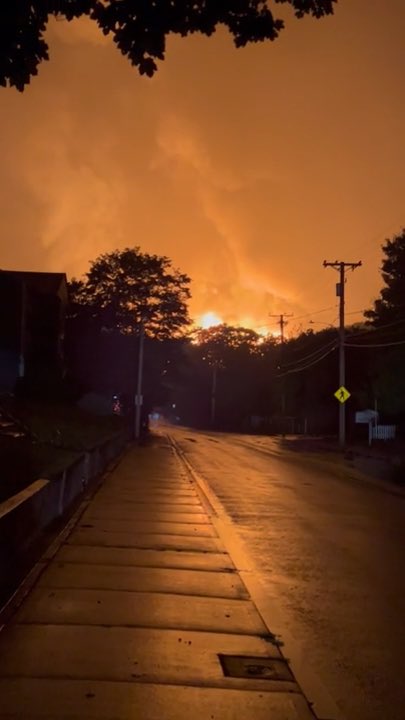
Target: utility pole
(213, 393)
(341, 267)
(282, 322)
(21, 364)
(138, 396)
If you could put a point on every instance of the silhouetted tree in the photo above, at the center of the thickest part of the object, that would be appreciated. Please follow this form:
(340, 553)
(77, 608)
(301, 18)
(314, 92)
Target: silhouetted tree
(380, 359)
(121, 290)
(139, 27)
(390, 305)
(127, 287)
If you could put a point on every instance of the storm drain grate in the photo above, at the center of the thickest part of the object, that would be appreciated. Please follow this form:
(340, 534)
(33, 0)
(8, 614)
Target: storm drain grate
(259, 668)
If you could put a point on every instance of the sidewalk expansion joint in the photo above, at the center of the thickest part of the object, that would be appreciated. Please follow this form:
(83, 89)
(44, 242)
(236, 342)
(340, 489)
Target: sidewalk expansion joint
(141, 679)
(52, 588)
(146, 626)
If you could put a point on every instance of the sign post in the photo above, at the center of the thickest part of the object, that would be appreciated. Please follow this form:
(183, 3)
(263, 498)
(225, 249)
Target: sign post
(369, 417)
(342, 394)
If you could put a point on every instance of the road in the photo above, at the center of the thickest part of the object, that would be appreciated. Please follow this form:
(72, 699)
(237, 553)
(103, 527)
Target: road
(329, 552)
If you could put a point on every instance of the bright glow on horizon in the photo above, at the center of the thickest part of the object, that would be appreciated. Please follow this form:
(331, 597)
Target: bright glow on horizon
(209, 319)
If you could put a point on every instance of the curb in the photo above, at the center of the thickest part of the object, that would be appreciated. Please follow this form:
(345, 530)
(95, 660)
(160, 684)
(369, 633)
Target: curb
(322, 705)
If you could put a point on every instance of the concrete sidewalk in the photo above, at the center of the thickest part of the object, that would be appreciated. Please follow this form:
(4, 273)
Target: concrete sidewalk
(140, 615)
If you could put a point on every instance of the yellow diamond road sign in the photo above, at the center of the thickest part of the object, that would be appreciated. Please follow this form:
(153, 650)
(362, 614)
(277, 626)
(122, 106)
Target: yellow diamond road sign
(342, 394)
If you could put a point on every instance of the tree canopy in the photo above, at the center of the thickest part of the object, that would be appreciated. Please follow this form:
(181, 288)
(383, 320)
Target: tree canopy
(126, 287)
(241, 362)
(390, 305)
(139, 28)
(228, 337)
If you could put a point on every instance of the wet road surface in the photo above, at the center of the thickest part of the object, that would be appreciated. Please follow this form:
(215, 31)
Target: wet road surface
(330, 553)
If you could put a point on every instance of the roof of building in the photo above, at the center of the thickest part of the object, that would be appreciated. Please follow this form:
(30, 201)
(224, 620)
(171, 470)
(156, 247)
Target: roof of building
(43, 282)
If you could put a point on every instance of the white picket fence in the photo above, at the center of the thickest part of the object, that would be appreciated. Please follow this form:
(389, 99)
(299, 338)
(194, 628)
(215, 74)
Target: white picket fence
(383, 432)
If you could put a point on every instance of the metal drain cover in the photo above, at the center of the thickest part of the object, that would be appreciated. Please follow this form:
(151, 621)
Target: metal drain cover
(258, 668)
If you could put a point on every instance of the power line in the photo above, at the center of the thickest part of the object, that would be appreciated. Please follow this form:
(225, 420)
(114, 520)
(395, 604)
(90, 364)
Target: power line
(320, 322)
(377, 329)
(315, 312)
(365, 246)
(357, 312)
(301, 317)
(375, 345)
(305, 367)
(310, 355)
(310, 334)
(312, 286)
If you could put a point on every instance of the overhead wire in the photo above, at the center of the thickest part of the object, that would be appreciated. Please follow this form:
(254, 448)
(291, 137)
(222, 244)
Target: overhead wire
(305, 367)
(366, 246)
(377, 329)
(310, 355)
(315, 312)
(375, 345)
(313, 284)
(356, 312)
(301, 367)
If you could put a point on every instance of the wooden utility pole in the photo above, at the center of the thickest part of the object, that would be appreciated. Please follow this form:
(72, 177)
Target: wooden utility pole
(341, 267)
(282, 322)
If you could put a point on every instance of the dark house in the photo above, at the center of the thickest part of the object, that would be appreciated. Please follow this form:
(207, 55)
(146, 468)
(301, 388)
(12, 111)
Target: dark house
(32, 319)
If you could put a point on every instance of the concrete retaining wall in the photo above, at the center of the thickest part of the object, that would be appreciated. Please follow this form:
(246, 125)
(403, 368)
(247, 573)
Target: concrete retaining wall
(25, 516)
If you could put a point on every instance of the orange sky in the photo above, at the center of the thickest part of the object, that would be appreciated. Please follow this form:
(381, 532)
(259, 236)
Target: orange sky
(248, 168)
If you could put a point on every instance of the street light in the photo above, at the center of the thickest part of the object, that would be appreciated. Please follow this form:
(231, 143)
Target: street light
(213, 393)
(138, 396)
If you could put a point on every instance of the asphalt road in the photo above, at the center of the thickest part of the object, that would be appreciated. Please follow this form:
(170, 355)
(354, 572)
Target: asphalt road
(330, 553)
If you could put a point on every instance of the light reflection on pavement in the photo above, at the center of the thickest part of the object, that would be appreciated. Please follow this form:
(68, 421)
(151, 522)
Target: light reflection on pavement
(329, 551)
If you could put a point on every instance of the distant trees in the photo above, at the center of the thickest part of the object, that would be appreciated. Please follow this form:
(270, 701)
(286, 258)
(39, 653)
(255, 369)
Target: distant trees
(309, 371)
(230, 377)
(231, 367)
(251, 372)
(229, 337)
(375, 357)
(139, 27)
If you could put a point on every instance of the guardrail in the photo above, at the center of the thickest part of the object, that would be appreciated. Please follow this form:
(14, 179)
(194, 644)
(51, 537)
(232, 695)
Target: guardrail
(25, 516)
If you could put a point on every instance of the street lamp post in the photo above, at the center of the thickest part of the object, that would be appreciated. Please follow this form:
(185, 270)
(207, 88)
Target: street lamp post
(213, 393)
(138, 396)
